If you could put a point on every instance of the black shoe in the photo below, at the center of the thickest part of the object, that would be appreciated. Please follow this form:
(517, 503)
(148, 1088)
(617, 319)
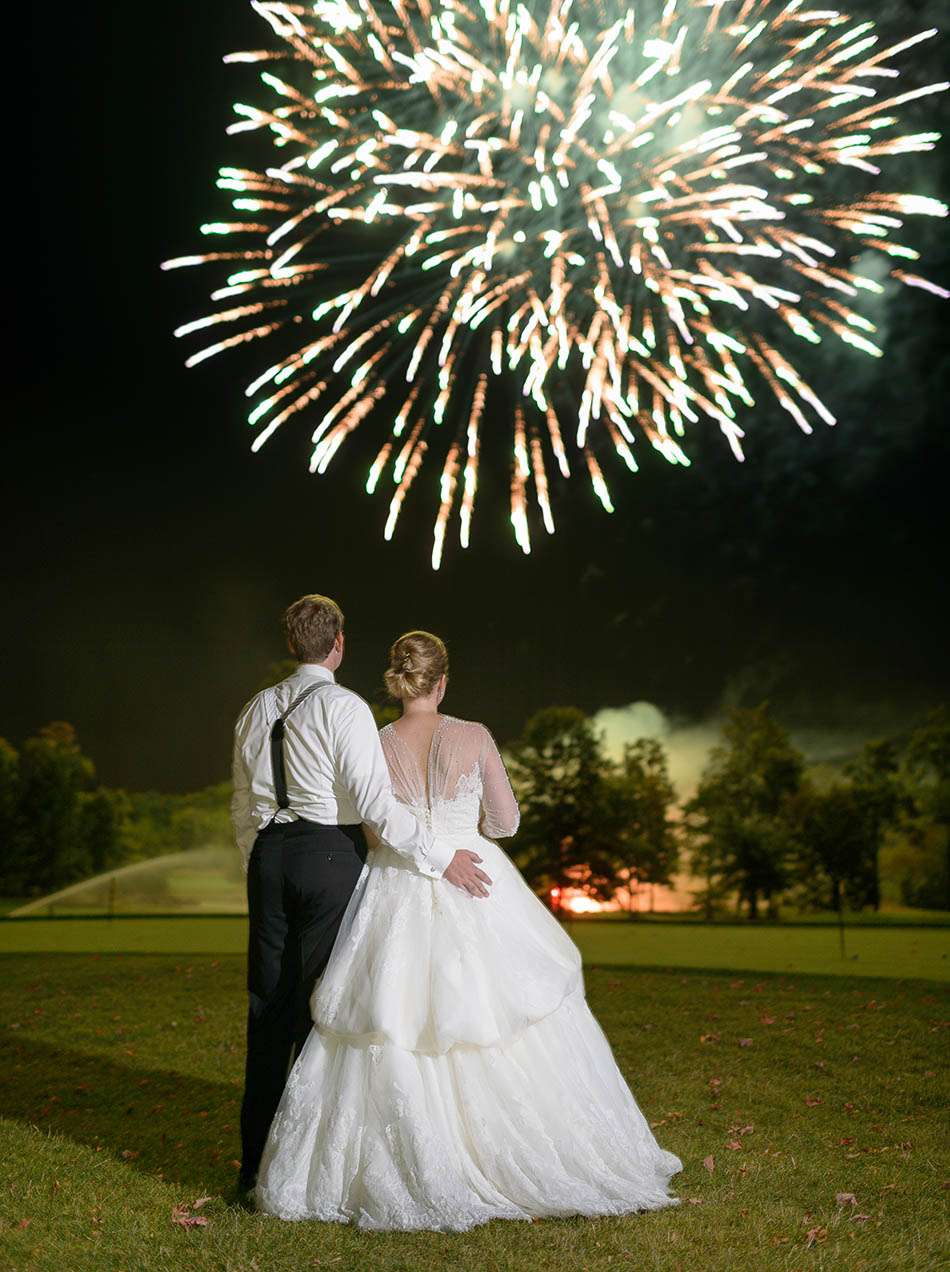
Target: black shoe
(242, 1194)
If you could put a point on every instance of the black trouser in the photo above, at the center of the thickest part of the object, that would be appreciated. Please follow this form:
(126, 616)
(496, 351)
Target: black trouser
(300, 877)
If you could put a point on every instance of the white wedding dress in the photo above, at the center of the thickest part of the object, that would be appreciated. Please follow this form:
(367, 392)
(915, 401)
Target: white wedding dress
(455, 1073)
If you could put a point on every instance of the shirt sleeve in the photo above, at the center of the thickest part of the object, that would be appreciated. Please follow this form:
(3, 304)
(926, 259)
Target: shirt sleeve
(365, 774)
(245, 831)
(500, 813)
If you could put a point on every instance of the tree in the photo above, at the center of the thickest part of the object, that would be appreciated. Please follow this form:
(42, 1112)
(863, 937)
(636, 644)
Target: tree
(98, 828)
(10, 841)
(53, 774)
(925, 879)
(647, 848)
(569, 826)
(835, 849)
(154, 823)
(882, 801)
(740, 819)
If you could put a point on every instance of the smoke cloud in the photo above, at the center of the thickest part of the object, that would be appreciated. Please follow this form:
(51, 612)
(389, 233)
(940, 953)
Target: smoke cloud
(687, 744)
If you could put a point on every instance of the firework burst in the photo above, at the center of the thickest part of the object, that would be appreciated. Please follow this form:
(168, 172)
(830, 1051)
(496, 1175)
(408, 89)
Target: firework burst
(558, 227)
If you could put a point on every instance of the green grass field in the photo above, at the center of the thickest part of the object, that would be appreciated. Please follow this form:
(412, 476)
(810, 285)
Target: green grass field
(785, 1095)
(869, 951)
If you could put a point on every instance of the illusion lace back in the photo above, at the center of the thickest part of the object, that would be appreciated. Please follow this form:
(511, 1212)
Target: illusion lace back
(450, 1035)
(465, 787)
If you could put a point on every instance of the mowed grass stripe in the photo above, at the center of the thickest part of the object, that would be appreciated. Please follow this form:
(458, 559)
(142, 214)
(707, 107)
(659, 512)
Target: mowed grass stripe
(901, 952)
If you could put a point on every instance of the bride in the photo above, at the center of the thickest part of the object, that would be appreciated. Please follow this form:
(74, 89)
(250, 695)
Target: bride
(454, 1073)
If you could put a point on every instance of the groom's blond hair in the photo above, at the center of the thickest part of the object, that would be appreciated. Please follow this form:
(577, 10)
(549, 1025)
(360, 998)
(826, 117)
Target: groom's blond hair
(311, 625)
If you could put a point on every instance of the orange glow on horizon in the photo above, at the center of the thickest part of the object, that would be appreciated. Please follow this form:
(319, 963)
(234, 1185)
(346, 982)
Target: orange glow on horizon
(578, 902)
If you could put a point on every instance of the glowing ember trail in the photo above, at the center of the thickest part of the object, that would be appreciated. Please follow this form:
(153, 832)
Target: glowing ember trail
(556, 227)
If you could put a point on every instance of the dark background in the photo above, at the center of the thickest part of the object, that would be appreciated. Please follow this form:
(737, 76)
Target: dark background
(149, 554)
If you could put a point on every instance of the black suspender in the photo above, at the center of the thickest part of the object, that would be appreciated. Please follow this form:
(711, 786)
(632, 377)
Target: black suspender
(277, 745)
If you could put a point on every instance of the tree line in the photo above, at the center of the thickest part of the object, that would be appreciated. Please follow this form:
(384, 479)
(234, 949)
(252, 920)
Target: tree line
(761, 827)
(59, 825)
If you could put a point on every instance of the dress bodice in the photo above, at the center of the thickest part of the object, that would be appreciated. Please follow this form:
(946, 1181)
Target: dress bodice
(464, 788)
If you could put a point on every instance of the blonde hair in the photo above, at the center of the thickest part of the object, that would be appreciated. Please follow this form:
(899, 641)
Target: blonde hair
(311, 625)
(416, 663)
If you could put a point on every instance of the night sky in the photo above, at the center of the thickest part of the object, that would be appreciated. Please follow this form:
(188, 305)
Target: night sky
(149, 554)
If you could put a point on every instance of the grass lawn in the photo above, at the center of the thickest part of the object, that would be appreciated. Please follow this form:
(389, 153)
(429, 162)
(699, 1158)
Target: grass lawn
(870, 951)
(785, 1096)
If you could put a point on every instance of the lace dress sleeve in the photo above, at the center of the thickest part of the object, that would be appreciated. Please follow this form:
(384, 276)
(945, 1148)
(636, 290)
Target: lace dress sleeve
(500, 814)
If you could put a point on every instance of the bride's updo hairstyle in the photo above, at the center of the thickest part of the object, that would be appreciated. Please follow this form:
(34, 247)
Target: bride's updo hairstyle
(416, 662)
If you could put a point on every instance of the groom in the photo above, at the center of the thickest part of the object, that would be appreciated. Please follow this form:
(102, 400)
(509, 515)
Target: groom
(308, 773)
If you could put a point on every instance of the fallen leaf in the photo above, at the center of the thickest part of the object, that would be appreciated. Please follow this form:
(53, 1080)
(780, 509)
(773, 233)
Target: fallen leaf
(766, 1019)
(695, 1201)
(860, 1218)
(710, 1163)
(846, 1199)
(202, 1201)
(733, 1144)
(24, 1223)
(709, 1037)
(812, 1100)
(745, 1042)
(814, 1236)
(182, 1217)
(129, 1154)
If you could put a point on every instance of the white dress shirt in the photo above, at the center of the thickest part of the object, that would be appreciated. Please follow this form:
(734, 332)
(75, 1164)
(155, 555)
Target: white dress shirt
(336, 771)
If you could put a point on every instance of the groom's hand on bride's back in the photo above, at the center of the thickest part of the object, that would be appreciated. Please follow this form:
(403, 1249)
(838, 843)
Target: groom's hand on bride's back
(464, 873)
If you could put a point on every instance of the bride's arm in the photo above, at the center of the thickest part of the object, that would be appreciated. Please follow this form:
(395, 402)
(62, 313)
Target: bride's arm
(500, 813)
